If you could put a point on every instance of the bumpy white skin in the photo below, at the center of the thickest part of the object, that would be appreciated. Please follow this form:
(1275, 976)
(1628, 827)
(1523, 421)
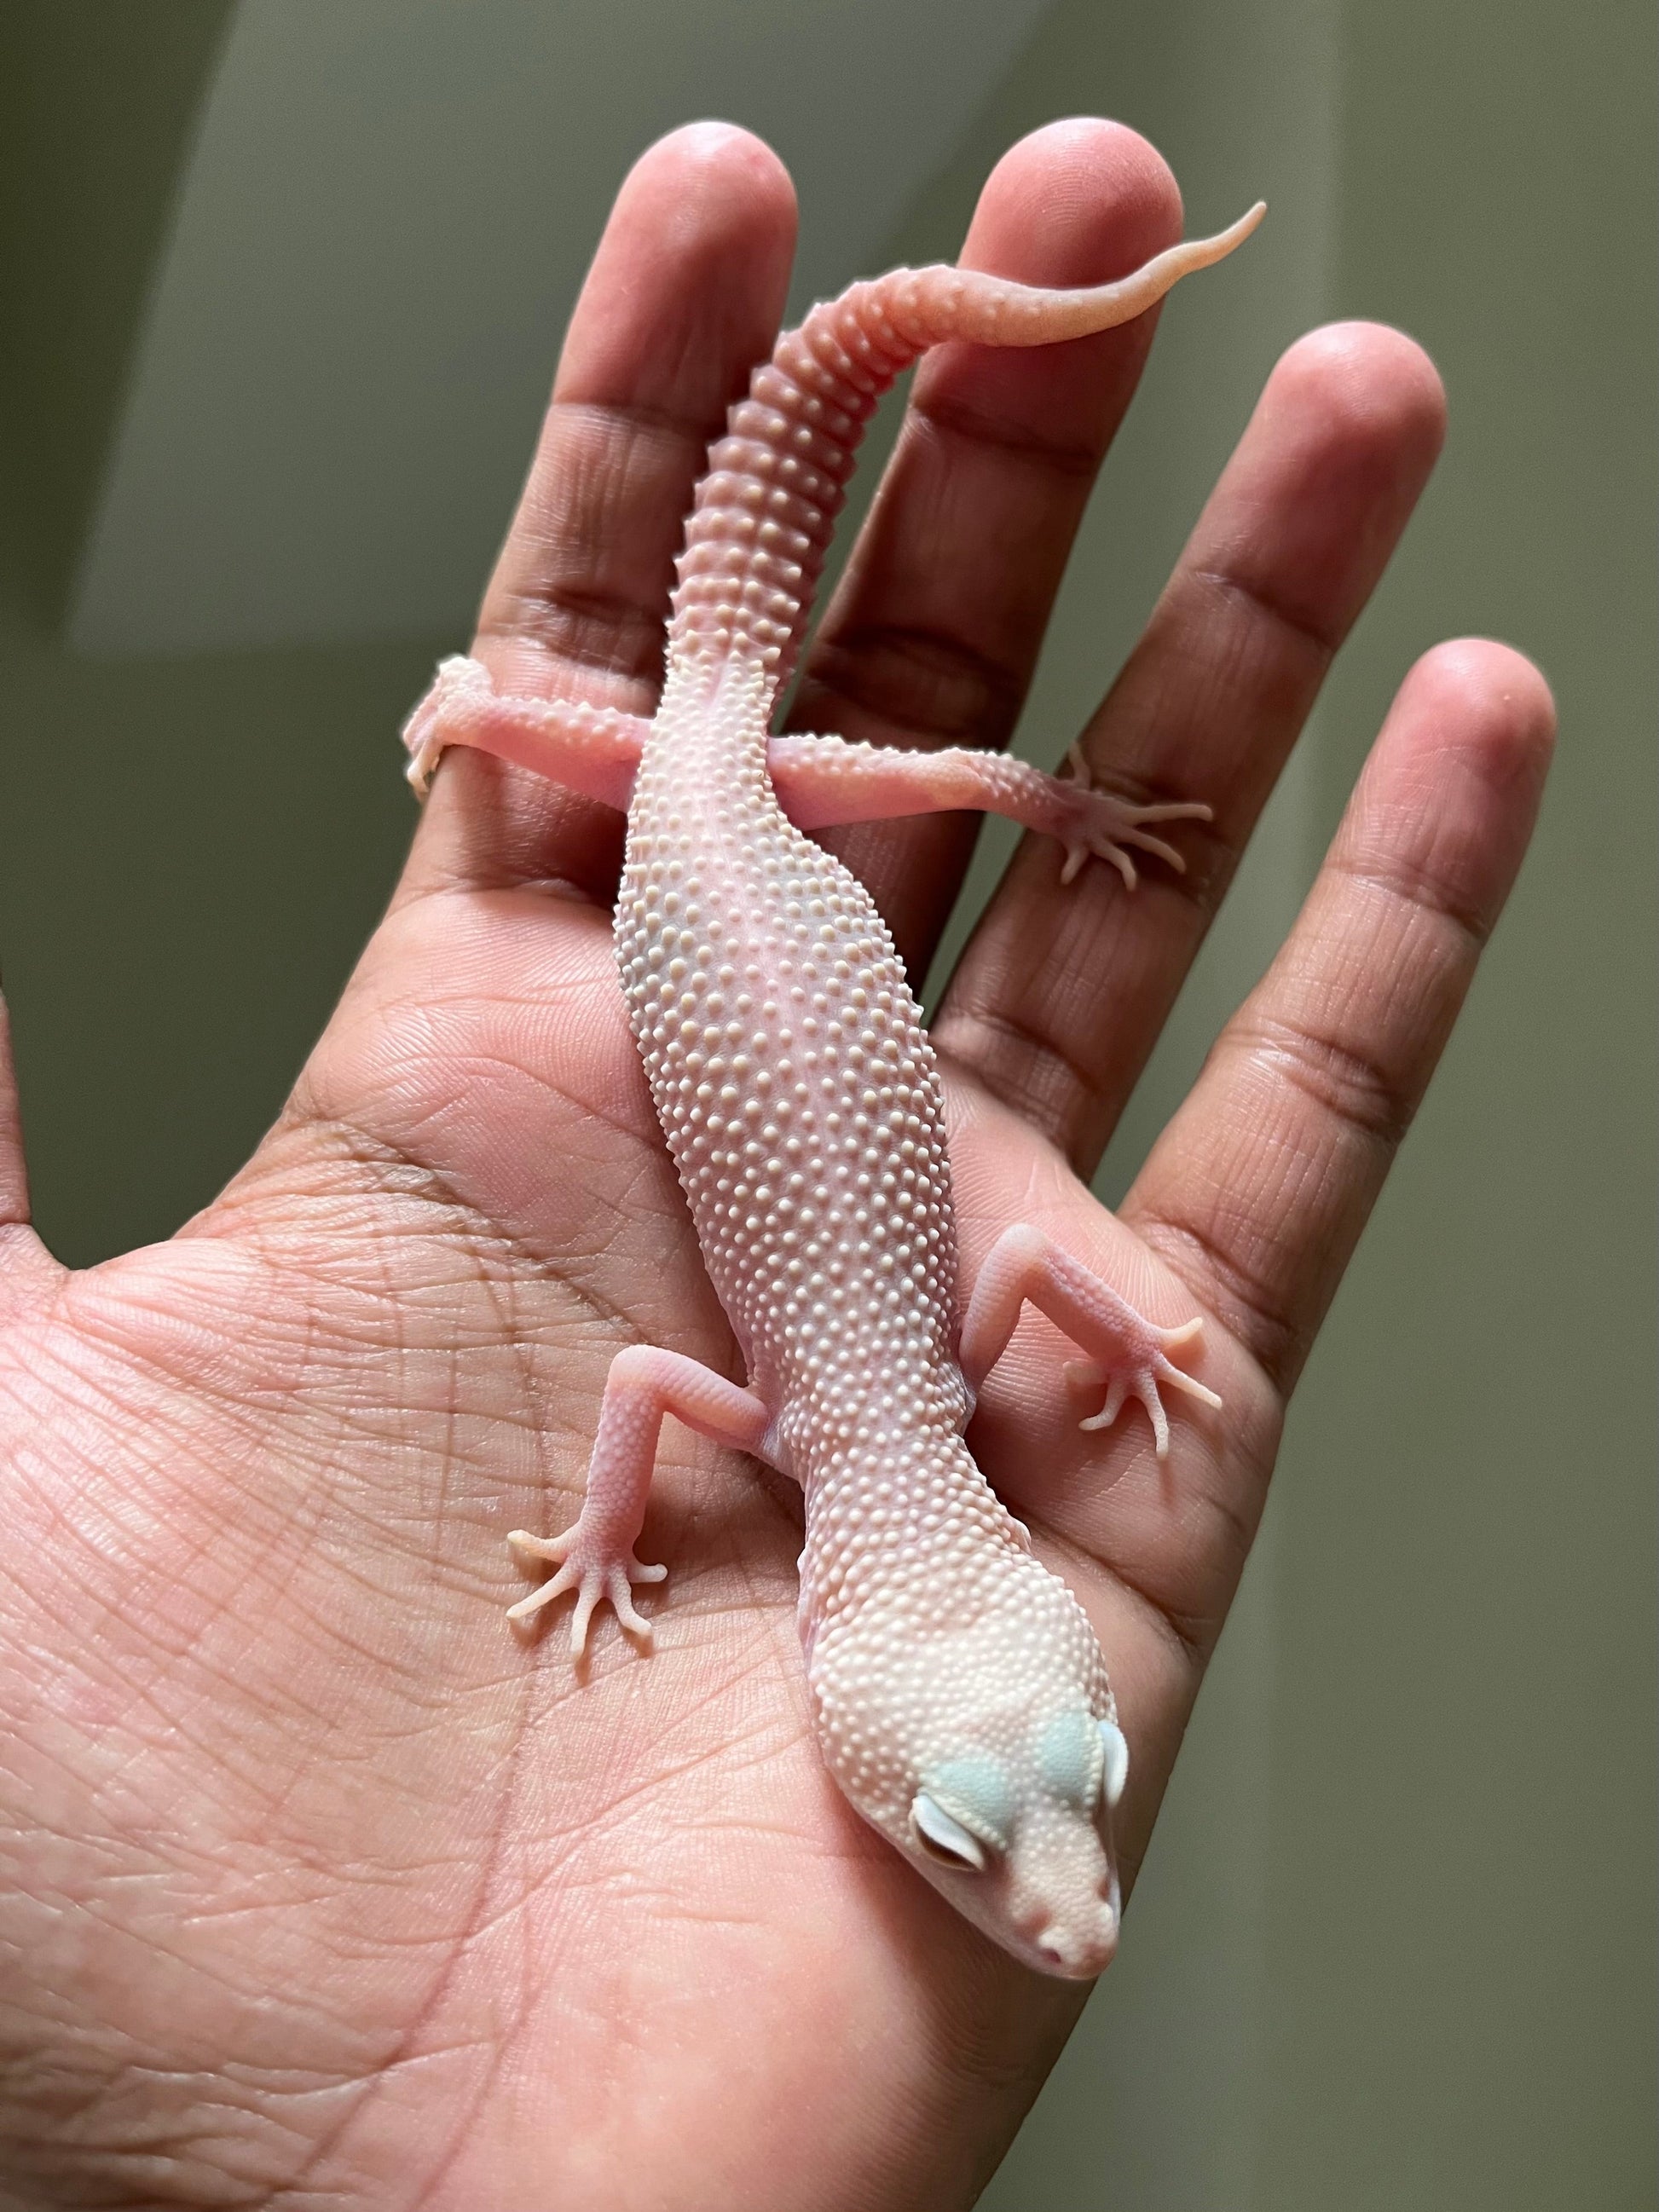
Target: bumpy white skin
(802, 1104)
(960, 1696)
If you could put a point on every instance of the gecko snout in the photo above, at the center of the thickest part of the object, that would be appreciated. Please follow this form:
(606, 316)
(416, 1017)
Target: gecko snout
(1080, 1953)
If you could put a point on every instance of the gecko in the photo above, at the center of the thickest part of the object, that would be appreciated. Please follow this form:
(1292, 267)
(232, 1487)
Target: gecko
(960, 1698)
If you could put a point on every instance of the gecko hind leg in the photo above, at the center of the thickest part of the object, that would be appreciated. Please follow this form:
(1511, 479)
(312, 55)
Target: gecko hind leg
(593, 750)
(595, 1558)
(1126, 1353)
(823, 781)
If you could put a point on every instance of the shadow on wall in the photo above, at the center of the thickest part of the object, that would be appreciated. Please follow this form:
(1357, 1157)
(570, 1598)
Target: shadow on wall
(98, 105)
(190, 851)
(274, 370)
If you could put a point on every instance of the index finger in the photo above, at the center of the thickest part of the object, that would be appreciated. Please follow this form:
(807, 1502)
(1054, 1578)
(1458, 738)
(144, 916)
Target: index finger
(684, 296)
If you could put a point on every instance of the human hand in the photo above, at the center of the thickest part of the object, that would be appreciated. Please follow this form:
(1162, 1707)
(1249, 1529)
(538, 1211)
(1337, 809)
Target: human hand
(321, 1886)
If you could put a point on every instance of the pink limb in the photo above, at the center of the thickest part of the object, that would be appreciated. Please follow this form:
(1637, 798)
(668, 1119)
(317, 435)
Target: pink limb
(818, 780)
(1127, 1352)
(596, 1556)
(593, 750)
(821, 781)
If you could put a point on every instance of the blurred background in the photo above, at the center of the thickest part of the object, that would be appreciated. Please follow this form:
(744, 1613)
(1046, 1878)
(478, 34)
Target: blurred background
(283, 283)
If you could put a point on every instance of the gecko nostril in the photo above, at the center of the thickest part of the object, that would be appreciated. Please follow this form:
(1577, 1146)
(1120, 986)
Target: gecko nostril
(1049, 1946)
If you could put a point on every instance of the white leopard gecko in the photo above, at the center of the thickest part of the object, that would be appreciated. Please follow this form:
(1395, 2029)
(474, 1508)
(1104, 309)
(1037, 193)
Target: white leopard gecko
(960, 1696)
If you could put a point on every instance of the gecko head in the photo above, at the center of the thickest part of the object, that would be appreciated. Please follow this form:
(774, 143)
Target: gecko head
(988, 1753)
(1017, 1831)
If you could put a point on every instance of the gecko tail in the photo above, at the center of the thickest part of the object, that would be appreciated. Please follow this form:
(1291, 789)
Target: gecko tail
(765, 510)
(941, 302)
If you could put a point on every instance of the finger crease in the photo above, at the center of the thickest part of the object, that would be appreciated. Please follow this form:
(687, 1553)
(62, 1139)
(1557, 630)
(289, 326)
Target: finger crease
(1072, 460)
(927, 684)
(1424, 890)
(587, 629)
(1355, 1088)
(1189, 1637)
(1029, 1042)
(695, 431)
(1271, 1340)
(1262, 605)
(1187, 1641)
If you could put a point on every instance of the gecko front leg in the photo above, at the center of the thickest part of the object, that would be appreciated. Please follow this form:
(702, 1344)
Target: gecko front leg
(595, 1558)
(1128, 1354)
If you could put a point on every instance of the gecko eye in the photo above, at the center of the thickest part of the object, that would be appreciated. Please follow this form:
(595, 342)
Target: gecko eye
(977, 1792)
(1117, 1759)
(944, 1839)
(1070, 1759)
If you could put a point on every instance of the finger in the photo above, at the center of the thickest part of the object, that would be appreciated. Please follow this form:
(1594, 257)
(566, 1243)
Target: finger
(933, 636)
(26, 1269)
(1063, 989)
(1258, 1190)
(683, 297)
(14, 1173)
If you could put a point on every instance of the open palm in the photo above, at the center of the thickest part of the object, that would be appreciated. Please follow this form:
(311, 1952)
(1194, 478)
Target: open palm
(321, 1886)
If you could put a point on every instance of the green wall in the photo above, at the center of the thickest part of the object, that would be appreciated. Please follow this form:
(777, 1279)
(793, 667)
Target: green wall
(190, 851)
(1459, 2002)
(1428, 1984)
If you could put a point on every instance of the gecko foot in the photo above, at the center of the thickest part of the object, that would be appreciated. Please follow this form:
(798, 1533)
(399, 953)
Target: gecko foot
(1126, 1355)
(458, 690)
(1106, 827)
(595, 1570)
(1137, 1363)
